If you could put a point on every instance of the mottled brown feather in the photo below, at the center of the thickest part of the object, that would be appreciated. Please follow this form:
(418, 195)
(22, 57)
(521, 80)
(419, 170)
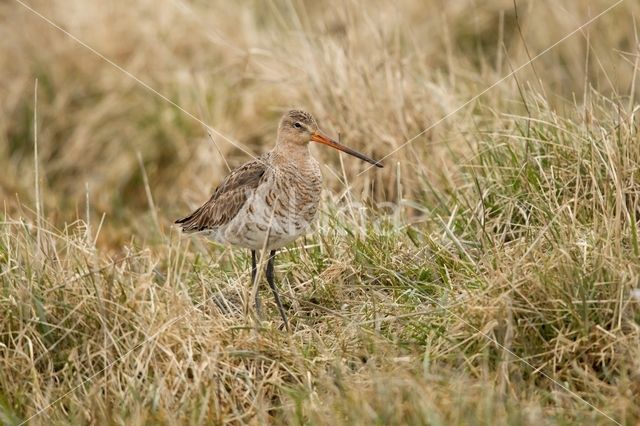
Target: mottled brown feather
(228, 198)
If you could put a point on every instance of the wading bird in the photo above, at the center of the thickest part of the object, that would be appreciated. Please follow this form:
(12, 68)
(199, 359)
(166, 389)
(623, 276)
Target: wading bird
(270, 201)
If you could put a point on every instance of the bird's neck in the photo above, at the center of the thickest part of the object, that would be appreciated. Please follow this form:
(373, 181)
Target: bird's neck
(292, 152)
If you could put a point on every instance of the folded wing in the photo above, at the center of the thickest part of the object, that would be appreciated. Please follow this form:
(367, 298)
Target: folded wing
(228, 198)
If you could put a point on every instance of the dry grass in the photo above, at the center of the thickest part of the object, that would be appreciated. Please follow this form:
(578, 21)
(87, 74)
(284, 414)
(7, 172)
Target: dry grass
(499, 284)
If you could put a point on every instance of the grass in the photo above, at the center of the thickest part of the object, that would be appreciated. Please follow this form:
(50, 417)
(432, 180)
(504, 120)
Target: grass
(487, 275)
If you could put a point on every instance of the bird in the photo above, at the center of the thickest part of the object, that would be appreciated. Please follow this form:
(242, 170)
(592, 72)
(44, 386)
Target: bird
(271, 200)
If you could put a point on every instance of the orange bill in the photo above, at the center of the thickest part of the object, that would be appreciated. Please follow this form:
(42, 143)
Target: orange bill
(320, 138)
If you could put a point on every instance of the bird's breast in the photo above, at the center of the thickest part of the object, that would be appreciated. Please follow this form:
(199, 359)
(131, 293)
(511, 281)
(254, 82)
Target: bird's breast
(282, 208)
(296, 194)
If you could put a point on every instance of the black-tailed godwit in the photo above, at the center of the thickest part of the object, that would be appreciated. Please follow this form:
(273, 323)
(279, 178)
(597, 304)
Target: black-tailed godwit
(270, 201)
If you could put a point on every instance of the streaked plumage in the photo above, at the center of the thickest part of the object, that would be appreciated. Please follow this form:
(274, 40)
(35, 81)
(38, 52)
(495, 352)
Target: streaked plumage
(260, 199)
(269, 201)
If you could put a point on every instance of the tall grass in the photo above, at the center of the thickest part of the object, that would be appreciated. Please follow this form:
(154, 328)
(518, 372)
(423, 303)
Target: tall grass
(489, 274)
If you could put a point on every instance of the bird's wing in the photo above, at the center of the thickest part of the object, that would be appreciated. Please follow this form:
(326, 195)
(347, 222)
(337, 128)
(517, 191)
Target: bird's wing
(228, 198)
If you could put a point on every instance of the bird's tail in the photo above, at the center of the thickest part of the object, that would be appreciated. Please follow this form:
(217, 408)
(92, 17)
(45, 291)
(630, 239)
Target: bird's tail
(190, 223)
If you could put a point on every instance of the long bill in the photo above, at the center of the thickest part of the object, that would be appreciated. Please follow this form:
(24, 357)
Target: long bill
(320, 138)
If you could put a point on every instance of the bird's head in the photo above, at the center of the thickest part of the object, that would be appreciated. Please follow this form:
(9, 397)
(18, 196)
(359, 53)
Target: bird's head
(299, 128)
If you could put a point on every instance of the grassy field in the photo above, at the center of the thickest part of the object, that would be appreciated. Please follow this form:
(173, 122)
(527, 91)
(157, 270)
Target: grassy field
(489, 274)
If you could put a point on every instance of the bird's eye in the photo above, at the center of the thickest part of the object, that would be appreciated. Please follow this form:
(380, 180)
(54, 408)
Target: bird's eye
(297, 125)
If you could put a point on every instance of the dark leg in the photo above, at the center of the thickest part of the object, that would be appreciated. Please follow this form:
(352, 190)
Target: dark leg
(254, 272)
(272, 284)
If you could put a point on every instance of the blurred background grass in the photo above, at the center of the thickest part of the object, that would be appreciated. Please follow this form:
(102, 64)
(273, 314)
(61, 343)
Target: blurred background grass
(377, 73)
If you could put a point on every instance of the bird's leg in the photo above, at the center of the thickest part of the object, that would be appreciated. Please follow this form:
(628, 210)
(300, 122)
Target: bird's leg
(254, 272)
(269, 273)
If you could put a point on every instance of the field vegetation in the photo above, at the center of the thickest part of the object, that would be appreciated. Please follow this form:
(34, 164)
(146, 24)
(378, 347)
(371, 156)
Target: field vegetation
(489, 274)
